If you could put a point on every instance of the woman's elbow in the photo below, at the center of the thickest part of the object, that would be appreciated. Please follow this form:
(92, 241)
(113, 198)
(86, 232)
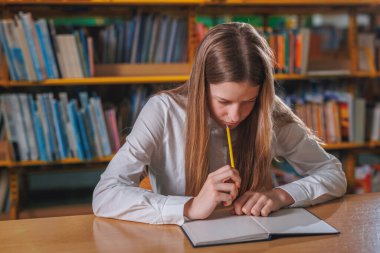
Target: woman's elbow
(341, 184)
(98, 204)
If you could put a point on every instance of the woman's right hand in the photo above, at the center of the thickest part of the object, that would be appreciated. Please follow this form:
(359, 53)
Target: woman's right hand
(221, 185)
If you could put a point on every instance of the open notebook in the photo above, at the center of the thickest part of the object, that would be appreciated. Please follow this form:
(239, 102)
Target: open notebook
(223, 228)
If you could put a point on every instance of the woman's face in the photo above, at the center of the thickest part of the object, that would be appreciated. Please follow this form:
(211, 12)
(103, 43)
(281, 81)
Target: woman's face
(230, 103)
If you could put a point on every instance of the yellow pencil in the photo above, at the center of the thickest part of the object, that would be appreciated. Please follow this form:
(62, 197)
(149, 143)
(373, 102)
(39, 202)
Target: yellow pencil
(230, 147)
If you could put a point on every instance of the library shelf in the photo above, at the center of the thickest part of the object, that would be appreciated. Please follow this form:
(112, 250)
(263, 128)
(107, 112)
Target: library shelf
(69, 161)
(344, 145)
(123, 80)
(103, 2)
(98, 81)
(296, 2)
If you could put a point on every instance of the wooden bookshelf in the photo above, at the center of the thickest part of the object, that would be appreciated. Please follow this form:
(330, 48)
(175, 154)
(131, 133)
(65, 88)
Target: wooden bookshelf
(348, 145)
(125, 80)
(69, 161)
(98, 81)
(104, 2)
(299, 2)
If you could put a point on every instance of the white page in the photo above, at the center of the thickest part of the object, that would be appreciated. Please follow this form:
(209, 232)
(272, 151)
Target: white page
(294, 221)
(222, 227)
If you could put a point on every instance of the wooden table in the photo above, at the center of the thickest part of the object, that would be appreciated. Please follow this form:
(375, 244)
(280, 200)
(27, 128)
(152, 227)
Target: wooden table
(357, 217)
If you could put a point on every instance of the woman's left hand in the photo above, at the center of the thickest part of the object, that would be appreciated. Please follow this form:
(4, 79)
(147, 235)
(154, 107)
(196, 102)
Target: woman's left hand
(262, 203)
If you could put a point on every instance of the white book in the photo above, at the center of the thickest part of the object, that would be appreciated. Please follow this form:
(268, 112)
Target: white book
(61, 52)
(73, 53)
(375, 130)
(223, 228)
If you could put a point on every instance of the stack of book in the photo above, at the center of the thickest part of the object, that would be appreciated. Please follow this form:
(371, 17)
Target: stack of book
(46, 49)
(335, 116)
(45, 127)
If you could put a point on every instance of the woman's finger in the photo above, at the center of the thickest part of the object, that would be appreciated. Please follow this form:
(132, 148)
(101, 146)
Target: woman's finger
(239, 203)
(258, 206)
(247, 207)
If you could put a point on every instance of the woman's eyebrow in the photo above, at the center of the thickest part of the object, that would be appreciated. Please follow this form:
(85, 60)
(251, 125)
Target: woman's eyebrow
(252, 99)
(226, 100)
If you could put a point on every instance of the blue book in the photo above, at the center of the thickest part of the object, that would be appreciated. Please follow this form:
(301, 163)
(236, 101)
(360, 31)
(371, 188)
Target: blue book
(130, 26)
(13, 42)
(50, 126)
(28, 126)
(45, 126)
(46, 48)
(172, 35)
(136, 36)
(58, 129)
(84, 100)
(179, 42)
(7, 51)
(43, 50)
(40, 138)
(106, 146)
(74, 122)
(160, 50)
(12, 36)
(90, 131)
(8, 110)
(146, 38)
(48, 98)
(83, 41)
(37, 129)
(120, 42)
(31, 45)
(83, 135)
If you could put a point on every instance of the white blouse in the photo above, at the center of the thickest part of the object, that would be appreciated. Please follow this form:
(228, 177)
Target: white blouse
(157, 140)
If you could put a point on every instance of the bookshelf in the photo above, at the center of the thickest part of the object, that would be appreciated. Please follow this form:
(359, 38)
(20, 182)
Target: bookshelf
(158, 73)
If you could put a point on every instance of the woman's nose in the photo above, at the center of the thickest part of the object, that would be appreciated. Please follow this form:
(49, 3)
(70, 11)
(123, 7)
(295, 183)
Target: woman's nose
(234, 114)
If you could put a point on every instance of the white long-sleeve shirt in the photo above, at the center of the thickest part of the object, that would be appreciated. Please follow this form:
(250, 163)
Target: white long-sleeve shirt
(158, 140)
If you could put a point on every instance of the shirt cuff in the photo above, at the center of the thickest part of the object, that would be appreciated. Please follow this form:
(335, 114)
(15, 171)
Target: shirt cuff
(172, 212)
(297, 193)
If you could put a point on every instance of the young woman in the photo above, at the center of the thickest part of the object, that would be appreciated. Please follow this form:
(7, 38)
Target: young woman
(180, 135)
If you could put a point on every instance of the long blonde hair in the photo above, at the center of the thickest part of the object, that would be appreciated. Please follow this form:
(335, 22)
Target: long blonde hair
(232, 52)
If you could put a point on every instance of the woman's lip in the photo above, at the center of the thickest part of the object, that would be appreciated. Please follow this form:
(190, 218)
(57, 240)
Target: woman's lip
(231, 124)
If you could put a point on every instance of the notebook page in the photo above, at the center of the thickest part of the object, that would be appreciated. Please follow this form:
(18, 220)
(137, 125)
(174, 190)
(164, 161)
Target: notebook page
(223, 227)
(295, 221)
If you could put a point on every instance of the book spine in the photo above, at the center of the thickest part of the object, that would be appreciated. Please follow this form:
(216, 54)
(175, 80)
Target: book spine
(38, 69)
(75, 128)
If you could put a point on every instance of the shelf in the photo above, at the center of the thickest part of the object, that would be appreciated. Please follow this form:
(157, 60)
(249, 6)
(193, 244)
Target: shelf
(98, 81)
(103, 2)
(297, 2)
(119, 74)
(366, 74)
(195, 2)
(147, 79)
(345, 145)
(374, 144)
(69, 161)
(118, 80)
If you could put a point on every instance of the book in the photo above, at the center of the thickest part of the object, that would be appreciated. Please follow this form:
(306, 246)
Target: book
(224, 228)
